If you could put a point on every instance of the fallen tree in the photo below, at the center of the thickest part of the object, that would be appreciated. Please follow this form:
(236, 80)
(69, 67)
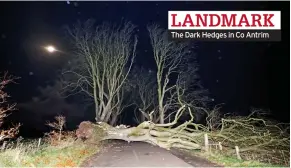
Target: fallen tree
(163, 135)
(253, 135)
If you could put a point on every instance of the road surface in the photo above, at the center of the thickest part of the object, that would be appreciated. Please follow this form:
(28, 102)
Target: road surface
(140, 154)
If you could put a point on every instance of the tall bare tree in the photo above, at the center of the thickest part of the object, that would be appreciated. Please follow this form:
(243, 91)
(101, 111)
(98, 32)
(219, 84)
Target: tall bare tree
(189, 80)
(144, 90)
(190, 91)
(101, 62)
(169, 56)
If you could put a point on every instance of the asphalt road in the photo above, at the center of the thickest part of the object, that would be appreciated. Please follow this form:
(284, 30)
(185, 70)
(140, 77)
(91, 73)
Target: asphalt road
(140, 154)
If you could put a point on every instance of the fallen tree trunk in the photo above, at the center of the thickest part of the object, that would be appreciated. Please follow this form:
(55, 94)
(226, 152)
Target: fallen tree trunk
(162, 138)
(251, 135)
(161, 135)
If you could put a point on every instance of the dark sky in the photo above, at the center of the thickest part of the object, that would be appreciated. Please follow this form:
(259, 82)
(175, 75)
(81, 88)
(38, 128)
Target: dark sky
(241, 75)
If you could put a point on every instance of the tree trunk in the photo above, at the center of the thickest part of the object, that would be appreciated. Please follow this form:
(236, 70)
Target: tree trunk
(113, 120)
(148, 132)
(162, 135)
(161, 114)
(60, 136)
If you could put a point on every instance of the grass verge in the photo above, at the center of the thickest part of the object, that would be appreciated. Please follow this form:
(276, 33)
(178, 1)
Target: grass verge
(67, 153)
(229, 161)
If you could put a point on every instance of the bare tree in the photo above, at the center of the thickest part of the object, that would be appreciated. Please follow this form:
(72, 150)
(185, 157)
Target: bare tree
(58, 124)
(189, 90)
(169, 56)
(100, 65)
(143, 88)
(189, 81)
(5, 109)
(121, 101)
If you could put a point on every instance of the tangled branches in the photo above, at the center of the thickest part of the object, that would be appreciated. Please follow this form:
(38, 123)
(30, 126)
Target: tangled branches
(58, 124)
(168, 135)
(256, 135)
(53, 137)
(5, 108)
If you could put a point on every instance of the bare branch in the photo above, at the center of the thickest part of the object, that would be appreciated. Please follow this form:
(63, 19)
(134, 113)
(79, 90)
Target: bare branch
(6, 109)
(102, 60)
(59, 124)
(169, 55)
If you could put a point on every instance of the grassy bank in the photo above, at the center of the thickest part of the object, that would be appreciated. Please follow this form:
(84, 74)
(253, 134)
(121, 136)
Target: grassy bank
(66, 153)
(231, 161)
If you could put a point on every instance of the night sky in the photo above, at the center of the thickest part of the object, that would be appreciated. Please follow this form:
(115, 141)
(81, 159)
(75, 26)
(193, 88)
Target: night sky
(239, 74)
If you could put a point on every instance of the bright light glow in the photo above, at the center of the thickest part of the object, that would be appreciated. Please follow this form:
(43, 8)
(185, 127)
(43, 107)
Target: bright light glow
(51, 49)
